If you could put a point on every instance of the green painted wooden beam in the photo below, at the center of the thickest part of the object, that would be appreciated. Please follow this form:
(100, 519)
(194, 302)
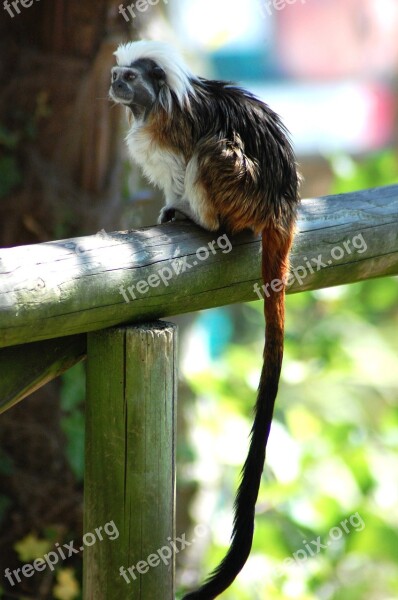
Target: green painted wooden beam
(70, 287)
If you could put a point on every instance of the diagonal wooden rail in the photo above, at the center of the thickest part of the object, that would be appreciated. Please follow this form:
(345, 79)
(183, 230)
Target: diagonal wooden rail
(58, 291)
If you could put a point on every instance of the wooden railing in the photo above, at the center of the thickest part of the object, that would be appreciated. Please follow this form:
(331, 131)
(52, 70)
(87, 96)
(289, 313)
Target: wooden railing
(100, 296)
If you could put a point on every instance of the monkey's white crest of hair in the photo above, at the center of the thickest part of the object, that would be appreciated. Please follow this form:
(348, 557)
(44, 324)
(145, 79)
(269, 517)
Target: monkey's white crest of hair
(178, 76)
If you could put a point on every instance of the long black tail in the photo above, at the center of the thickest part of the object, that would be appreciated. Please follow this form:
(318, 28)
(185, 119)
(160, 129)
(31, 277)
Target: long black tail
(275, 250)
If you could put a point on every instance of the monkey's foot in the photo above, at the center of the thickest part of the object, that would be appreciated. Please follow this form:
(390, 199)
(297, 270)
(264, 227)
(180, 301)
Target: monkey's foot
(168, 214)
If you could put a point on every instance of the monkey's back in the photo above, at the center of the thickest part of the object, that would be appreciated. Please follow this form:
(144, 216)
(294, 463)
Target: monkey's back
(254, 151)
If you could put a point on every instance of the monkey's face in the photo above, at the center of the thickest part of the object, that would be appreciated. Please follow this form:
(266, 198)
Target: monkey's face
(137, 86)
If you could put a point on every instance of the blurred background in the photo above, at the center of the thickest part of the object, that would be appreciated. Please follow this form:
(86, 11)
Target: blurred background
(329, 67)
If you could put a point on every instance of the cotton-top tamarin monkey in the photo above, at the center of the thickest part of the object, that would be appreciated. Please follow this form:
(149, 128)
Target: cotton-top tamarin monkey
(223, 159)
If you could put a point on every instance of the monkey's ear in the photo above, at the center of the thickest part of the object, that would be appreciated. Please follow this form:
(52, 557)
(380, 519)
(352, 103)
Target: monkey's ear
(158, 73)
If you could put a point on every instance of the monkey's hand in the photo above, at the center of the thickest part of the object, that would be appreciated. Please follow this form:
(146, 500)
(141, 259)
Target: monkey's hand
(166, 214)
(180, 210)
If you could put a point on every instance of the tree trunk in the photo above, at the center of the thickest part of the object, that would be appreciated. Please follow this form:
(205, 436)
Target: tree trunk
(60, 175)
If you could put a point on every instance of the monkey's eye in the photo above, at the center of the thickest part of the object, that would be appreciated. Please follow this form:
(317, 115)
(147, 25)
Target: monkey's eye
(158, 73)
(129, 76)
(114, 76)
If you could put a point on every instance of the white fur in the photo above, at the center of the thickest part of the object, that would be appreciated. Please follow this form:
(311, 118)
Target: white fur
(164, 168)
(169, 171)
(178, 76)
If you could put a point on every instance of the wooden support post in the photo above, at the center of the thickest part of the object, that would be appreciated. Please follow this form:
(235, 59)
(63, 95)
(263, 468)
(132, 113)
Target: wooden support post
(130, 463)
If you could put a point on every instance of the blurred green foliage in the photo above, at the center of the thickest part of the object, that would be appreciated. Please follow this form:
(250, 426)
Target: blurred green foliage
(332, 463)
(371, 171)
(72, 420)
